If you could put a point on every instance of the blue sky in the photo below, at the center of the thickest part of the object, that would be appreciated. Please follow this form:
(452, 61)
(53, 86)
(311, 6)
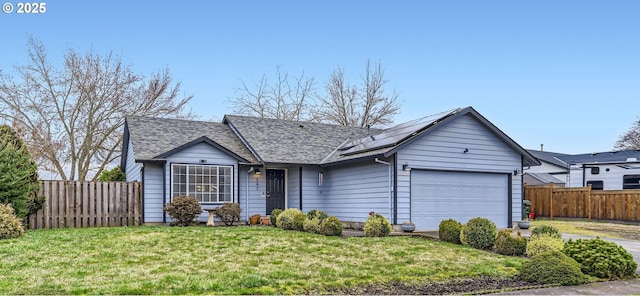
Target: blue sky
(562, 73)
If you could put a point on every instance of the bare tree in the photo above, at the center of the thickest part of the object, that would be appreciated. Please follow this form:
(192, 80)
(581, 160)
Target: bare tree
(287, 98)
(630, 139)
(71, 117)
(347, 104)
(344, 103)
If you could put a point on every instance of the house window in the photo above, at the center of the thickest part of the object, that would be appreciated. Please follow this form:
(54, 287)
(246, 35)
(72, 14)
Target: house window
(595, 170)
(631, 182)
(207, 183)
(596, 185)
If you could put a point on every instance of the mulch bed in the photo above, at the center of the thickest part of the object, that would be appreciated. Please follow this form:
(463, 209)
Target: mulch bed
(481, 285)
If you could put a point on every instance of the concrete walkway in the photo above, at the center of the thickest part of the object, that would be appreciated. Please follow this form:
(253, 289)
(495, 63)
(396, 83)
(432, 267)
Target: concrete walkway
(622, 287)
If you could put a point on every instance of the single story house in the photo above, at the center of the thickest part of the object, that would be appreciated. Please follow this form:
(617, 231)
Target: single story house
(613, 170)
(454, 164)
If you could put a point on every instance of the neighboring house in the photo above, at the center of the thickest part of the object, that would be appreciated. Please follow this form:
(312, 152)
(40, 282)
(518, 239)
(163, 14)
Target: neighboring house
(542, 179)
(614, 170)
(454, 164)
(551, 163)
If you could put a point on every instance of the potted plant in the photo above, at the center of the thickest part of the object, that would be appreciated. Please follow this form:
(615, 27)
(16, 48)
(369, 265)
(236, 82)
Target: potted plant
(408, 226)
(524, 224)
(253, 220)
(265, 220)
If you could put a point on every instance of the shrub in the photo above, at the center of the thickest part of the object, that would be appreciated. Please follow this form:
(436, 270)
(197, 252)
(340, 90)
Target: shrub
(543, 243)
(331, 226)
(286, 219)
(19, 181)
(115, 174)
(316, 213)
(183, 210)
(228, 213)
(601, 258)
(479, 233)
(377, 225)
(449, 231)
(507, 244)
(312, 225)
(274, 216)
(552, 268)
(10, 225)
(546, 229)
(298, 221)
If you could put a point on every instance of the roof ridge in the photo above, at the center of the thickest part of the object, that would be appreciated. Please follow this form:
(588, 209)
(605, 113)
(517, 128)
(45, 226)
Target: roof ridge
(302, 121)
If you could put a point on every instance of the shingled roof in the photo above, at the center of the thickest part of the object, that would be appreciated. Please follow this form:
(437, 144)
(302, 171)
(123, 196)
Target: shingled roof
(549, 157)
(603, 157)
(264, 140)
(155, 138)
(284, 141)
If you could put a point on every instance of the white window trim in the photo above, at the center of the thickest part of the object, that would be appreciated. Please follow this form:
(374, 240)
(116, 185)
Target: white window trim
(171, 181)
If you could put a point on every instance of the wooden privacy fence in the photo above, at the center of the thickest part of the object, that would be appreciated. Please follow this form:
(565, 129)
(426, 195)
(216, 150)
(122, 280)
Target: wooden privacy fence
(582, 202)
(76, 204)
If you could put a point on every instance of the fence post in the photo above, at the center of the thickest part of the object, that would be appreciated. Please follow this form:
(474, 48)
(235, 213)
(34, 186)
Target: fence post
(551, 200)
(589, 199)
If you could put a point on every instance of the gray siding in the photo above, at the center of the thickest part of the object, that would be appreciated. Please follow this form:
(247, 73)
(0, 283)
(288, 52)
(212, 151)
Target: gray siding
(133, 169)
(352, 191)
(153, 201)
(193, 155)
(313, 194)
(442, 149)
(293, 188)
(256, 186)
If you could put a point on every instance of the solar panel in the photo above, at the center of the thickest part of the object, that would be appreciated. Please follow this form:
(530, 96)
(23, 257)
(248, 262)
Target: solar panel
(391, 136)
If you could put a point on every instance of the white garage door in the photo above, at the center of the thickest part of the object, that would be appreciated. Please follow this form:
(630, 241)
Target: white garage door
(437, 195)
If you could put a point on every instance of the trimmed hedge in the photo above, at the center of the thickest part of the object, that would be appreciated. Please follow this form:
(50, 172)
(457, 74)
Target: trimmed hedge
(601, 259)
(449, 231)
(552, 268)
(274, 216)
(228, 213)
(286, 219)
(331, 226)
(377, 225)
(507, 244)
(546, 229)
(183, 210)
(479, 233)
(543, 243)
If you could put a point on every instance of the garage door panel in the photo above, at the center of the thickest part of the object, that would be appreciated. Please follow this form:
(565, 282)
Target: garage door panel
(436, 196)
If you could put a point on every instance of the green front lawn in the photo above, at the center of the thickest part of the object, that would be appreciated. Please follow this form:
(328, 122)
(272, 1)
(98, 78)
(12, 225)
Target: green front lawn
(227, 260)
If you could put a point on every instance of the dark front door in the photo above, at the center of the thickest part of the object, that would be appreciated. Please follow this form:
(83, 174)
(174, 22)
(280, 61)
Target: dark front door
(275, 190)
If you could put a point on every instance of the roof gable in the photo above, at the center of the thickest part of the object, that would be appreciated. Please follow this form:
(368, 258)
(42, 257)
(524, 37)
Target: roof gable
(154, 139)
(552, 158)
(205, 140)
(389, 141)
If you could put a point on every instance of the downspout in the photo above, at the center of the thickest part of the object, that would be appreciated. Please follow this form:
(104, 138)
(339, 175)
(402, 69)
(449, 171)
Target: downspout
(584, 176)
(390, 184)
(300, 187)
(164, 194)
(142, 178)
(522, 191)
(395, 188)
(247, 194)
